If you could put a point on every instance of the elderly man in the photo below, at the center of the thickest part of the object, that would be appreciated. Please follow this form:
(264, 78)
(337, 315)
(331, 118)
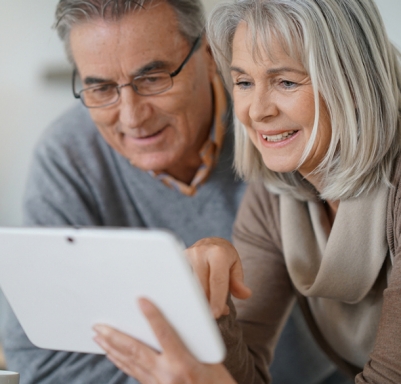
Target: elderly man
(149, 145)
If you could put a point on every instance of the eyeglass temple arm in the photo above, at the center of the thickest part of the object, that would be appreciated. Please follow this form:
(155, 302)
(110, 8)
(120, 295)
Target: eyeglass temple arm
(76, 95)
(196, 45)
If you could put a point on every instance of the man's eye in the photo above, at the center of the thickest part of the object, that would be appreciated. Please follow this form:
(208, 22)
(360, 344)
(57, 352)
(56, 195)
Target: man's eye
(103, 88)
(153, 79)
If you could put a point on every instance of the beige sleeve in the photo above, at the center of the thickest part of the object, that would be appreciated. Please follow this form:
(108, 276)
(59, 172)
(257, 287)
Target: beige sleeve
(252, 338)
(384, 366)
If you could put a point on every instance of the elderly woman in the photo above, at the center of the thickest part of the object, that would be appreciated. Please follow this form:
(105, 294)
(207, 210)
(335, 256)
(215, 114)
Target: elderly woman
(316, 86)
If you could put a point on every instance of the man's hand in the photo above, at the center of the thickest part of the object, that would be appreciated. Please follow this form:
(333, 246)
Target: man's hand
(219, 269)
(174, 365)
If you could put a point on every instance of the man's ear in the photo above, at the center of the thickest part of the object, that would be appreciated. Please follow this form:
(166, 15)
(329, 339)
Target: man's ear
(212, 67)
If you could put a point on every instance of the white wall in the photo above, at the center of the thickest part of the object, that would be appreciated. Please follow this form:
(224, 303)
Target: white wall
(391, 13)
(28, 103)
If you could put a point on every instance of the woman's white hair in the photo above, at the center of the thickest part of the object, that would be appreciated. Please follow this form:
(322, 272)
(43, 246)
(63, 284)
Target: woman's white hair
(353, 66)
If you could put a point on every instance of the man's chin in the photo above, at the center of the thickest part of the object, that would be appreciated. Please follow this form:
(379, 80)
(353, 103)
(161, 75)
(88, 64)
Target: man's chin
(157, 165)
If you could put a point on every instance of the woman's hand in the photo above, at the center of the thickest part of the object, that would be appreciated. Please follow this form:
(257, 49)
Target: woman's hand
(219, 269)
(174, 365)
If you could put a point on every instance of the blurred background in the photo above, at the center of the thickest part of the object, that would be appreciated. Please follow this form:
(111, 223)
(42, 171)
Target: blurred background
(35, 87)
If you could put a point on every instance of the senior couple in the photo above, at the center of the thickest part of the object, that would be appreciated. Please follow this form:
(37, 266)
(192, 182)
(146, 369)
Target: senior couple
(315, 86)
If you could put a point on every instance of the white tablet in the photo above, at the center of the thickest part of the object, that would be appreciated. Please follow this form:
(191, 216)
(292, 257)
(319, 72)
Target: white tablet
(62, 281)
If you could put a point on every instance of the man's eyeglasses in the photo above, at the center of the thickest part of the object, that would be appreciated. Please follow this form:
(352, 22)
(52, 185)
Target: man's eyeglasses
(154, 83)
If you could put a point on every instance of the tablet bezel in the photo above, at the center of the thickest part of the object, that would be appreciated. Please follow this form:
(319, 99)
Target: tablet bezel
(62, 281)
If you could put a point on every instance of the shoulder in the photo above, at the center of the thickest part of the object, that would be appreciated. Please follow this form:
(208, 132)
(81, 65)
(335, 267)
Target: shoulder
(259, 201)
(72, 140)
(259, 213)
(73, 131)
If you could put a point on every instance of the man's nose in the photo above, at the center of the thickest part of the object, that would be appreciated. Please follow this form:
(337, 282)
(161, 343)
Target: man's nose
(262, 105)
(134, 109)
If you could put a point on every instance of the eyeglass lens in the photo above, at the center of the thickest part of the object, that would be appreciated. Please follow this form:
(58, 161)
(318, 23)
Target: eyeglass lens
(108, 93)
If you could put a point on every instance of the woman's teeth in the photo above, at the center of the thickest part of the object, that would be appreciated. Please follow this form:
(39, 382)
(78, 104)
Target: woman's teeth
(280, 137)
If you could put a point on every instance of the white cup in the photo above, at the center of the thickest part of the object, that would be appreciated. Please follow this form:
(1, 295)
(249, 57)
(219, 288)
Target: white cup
(8, 377)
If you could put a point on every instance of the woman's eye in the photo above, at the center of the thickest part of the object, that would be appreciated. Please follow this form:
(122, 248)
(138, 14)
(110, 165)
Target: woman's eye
(287, 84)
(243, 84)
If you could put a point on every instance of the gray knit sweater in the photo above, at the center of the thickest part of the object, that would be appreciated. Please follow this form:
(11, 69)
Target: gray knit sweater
(77, 179)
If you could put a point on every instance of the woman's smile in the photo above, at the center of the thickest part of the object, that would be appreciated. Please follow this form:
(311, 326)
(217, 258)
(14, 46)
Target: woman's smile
(277, 138)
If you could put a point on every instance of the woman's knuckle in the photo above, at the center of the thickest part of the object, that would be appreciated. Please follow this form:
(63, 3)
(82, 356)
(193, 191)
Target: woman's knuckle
(135, 353)
(189, 372)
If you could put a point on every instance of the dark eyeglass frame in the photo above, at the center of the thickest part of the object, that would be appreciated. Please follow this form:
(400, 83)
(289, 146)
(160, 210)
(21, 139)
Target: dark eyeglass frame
(118, 87)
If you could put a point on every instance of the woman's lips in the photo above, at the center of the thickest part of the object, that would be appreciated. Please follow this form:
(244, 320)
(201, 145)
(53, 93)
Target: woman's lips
(277, 138)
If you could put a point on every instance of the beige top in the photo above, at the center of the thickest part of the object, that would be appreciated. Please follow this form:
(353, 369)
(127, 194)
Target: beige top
(285, 243)
(338, 266)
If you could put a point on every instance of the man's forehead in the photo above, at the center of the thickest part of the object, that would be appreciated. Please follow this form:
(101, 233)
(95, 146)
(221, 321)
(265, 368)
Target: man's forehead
(148, 45)
(157, 19)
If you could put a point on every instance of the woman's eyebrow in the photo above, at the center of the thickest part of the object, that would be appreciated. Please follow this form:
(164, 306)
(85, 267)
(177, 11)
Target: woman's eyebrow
(271, 71)
(237, 69)
(274, 71)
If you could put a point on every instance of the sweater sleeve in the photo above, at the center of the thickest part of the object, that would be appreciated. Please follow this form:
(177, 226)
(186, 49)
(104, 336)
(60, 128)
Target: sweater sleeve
(261, 317)
(384, 366)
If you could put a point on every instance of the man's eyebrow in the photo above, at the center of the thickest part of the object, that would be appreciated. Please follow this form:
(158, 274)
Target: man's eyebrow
(95, 80)
(154, 65)
(271, 71)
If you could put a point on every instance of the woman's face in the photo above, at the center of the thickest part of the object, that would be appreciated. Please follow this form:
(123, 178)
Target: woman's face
(274, 100)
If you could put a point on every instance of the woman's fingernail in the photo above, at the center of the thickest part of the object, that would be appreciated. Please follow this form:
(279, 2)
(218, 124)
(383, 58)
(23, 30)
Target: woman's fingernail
(99, 329)
(145, 305)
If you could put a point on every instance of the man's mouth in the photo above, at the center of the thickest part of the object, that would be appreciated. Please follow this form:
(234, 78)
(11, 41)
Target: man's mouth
(144, 135)
(279, 137)
(150, 136)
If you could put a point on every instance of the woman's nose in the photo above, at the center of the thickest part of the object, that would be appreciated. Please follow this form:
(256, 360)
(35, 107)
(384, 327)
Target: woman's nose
(263, 105)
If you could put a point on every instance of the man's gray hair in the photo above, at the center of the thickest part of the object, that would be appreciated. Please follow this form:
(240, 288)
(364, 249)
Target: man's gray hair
(344, 47)
(190, 15)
